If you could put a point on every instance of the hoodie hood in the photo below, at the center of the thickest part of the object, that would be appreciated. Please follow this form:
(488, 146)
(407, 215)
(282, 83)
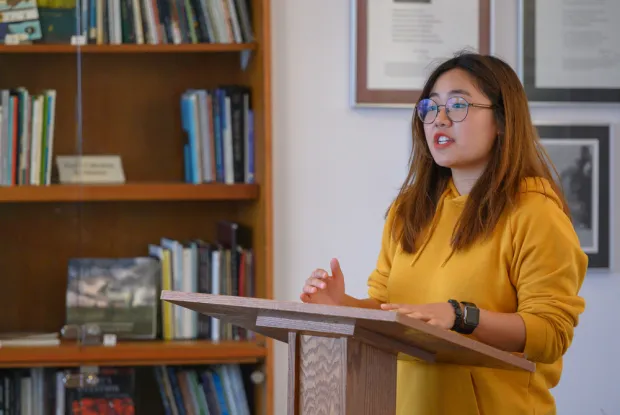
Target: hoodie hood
(452, 203)
(528, 185)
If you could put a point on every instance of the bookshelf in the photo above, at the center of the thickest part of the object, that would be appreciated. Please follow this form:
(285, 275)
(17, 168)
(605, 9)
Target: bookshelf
(130, 103)
(130, 192)
(146, 353)
(129, 48)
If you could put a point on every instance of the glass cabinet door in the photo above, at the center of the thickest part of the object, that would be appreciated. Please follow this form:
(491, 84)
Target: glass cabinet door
(133, 136)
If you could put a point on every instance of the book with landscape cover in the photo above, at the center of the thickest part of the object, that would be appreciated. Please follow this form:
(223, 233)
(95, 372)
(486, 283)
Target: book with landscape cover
(117, 294)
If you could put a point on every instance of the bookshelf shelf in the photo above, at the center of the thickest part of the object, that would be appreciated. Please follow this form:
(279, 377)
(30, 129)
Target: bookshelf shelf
(138, 353)
(129, 192)
(129, 48)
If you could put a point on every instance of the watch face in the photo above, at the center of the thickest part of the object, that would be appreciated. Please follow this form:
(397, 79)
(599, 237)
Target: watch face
(472, 315)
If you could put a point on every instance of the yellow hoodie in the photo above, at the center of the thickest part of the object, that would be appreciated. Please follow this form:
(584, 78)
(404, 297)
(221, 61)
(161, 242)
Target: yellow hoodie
(532, 265)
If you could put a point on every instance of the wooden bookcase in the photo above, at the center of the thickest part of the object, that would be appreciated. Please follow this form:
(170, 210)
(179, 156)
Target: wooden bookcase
(131, 107)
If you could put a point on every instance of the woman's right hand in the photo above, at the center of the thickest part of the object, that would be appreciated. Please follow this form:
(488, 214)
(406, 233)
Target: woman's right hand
(323, 288)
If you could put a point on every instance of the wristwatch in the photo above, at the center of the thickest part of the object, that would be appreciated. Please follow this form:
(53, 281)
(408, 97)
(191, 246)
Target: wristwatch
(471, 317)
(458, 319)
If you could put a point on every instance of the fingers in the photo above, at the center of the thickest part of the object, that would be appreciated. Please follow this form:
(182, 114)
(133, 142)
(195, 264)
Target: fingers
(336, 270)
(317, 281)
(313, 284)
(319, 273)
(399, 308)
(408, 310)
(435, 322)
(390, 306)
(307, 298)
(425, 313)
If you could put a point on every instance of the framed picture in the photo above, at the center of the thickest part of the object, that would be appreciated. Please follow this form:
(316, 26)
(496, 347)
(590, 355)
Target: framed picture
(581, 156)
(397, 43)
(569, 51)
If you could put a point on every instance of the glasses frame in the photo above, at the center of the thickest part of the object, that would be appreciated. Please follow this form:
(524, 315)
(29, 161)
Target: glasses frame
(469, 104)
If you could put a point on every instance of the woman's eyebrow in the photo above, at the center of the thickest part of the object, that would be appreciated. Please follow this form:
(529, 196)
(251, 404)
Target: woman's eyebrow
(454, 91)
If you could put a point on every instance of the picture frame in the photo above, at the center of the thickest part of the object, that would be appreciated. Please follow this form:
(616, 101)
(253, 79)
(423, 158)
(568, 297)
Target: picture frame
(369, 83)
(574, 60)
(581, 156)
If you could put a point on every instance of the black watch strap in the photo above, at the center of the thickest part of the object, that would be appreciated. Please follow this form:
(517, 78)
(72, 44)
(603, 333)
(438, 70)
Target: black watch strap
(458, 315)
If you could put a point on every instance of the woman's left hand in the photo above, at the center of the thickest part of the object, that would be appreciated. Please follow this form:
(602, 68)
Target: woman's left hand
(436, 314)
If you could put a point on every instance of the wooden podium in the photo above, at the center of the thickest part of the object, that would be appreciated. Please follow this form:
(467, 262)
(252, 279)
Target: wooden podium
(342, 360)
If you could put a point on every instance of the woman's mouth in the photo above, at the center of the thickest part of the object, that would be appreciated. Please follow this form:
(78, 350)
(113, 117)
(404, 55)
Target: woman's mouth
(442, 141)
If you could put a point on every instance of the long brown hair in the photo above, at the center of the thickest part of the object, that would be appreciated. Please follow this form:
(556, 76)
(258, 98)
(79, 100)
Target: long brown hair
(516, 154)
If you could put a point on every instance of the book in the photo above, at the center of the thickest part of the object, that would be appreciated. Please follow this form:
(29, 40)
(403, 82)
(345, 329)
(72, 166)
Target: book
(25, 339)
(119, 295)
(19, 21)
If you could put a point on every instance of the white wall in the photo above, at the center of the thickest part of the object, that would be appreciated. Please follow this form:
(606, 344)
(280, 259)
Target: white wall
(337, 168)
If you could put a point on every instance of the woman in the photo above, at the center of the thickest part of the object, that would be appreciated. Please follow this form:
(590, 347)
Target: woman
(479, 241)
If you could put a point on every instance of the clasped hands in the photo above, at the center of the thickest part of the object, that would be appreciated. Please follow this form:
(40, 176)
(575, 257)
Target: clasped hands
(323, 288)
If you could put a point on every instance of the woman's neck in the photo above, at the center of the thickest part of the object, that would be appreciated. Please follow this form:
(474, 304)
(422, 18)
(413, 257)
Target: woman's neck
(464, 180)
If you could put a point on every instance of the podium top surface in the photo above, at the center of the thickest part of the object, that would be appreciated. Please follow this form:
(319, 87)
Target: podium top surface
(275, 319)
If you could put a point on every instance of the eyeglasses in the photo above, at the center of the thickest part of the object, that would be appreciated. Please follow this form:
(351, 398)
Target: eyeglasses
(456, 109)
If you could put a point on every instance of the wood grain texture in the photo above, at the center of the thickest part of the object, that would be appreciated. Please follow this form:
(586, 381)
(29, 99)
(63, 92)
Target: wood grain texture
(322, 326)
(132, 354)
(445, 346)
(293, 373)
(129, 192)
(371, 380)
(322, 368)
(391, 345)
(339, 376)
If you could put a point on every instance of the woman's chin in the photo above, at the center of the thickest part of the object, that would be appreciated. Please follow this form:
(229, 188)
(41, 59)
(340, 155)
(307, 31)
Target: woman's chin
(445, 162)
(460, 164)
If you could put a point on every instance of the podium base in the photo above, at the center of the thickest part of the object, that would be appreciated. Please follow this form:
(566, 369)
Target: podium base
(339, 376)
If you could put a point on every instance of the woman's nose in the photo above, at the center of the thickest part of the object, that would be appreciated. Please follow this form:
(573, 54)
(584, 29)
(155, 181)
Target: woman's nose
(442, 117)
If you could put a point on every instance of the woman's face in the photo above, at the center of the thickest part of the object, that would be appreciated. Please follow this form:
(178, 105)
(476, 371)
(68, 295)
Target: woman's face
(461, 144)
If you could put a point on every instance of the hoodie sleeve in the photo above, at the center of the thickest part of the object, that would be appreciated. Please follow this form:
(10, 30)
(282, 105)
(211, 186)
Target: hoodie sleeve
(378, 279)
(547, 269)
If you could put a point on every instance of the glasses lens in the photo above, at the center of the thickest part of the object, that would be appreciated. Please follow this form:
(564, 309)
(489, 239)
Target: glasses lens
(457, 108)
(427, 110)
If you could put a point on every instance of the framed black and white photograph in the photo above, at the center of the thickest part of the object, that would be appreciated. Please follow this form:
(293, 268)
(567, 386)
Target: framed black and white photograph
(580, 154)
(569, 51)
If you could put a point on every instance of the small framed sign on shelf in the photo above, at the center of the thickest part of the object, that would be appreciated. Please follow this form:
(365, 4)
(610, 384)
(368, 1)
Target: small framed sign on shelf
(581, 156)
(569, 51)
(90, 169)
(396, 44)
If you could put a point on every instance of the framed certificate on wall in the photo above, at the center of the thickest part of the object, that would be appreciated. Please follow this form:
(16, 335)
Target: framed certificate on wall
(581, 156)
(397, 43)
(569, 50)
